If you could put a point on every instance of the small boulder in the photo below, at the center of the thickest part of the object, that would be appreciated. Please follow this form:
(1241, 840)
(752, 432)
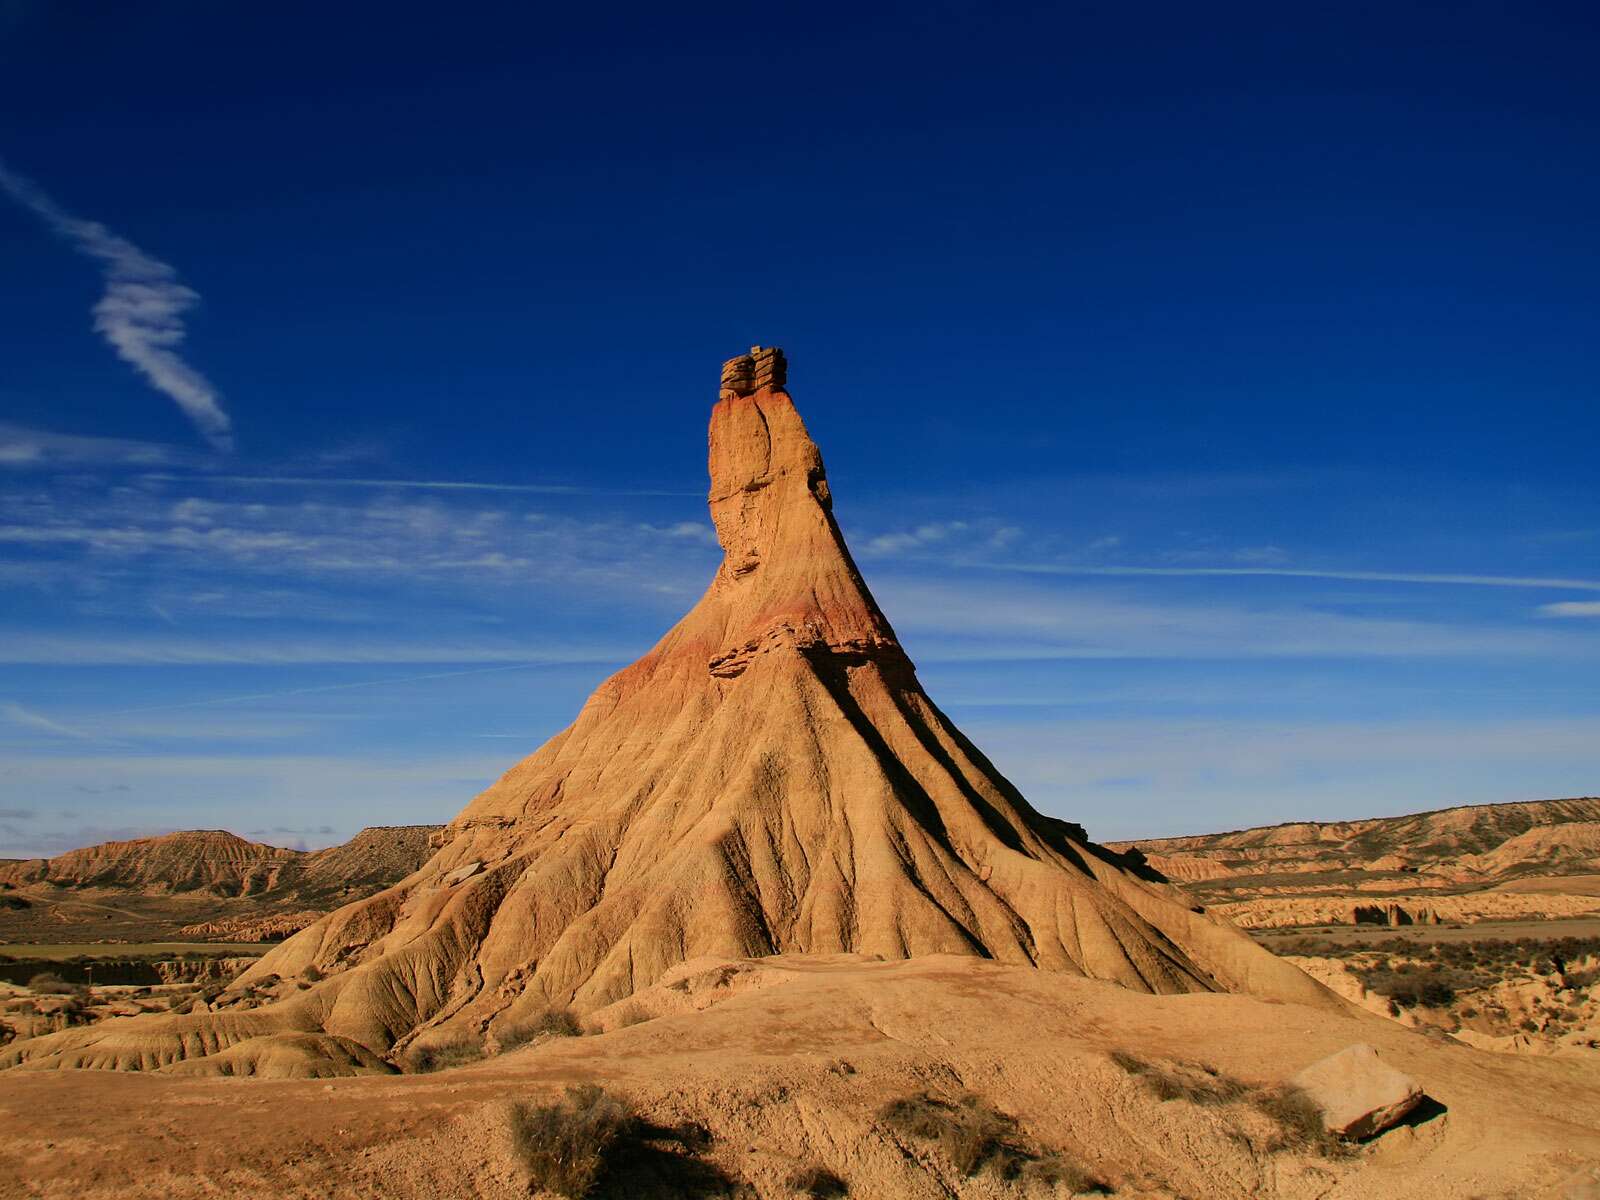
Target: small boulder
(1359, 1094)
(460, 874)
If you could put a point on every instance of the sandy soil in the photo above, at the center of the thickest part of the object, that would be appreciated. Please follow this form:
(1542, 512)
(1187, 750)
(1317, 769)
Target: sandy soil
(791, 1069)
(1564, 885)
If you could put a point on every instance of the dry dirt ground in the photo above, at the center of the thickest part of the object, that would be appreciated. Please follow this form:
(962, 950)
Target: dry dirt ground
(783, 1064)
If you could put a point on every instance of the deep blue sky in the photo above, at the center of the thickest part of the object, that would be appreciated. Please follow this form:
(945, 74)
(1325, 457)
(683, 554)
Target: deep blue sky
(1208, 392)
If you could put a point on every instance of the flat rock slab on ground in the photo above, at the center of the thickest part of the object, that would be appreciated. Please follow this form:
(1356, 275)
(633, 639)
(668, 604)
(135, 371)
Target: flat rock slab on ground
(1360, 1095)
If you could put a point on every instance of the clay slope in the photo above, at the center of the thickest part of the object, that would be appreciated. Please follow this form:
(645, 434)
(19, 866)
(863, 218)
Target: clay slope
(770, 778)
(210, 860)
(376, 857)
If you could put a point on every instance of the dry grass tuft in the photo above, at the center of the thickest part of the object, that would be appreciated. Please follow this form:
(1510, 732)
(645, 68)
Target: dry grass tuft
(1130, 1063)
(445, 1055)
(1295, 1116)
(630, 1014)
(819, 1183)
(552, 1022)
(1056, 1169)
(967, 1131)
(1298, 1121)
(564, 1145)
(974, 1136)
(1193, 1082)
(48, 983)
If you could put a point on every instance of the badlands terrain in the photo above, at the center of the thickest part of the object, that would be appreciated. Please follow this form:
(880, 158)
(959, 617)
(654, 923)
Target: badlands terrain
(198, 884)
(763, 922)
(1488, 862)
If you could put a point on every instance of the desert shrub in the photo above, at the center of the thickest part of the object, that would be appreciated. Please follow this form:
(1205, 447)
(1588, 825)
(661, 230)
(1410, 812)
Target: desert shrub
(1194, 1082)
(629, 1014)
(975, 1137)
(1298, 1120)
(553, 1022)
(818, 1182)
(1409, 987)
(967, 1131)
(1055, 1169)
(312, 973)
(17, 902)
(442, 1056)
(48, 983)
(1130, 1063)
(564, 1145)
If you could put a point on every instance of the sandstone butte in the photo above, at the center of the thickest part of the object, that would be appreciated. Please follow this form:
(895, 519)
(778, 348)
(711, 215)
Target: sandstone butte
(770, 779)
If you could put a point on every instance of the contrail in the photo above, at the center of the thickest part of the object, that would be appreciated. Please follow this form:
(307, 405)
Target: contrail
(141, 311)
(1508, 581)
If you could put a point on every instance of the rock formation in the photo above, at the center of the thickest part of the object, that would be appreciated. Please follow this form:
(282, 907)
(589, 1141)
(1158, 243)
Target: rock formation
(1359, 1094)
(769, 779)
(1392, 914)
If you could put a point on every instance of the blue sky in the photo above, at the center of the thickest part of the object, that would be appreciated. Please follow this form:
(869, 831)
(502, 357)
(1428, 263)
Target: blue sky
(1209, 395)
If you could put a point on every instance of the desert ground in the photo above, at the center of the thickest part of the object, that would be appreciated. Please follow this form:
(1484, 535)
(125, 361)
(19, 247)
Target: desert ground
(771, 1075)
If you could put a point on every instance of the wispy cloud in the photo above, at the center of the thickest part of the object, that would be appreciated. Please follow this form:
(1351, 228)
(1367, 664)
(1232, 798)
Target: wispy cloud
(1021, 622)
(125, 650)
(331, 687)
(932, 533)
(167, 547)
(24, 448)
(1151, 777)
(943, 537)
(420, 485)
(140, 314)
(28, 719)
(1572, 608)
(1506, 581)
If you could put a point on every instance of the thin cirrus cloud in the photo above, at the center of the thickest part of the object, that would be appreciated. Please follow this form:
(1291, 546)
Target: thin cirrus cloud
(936, 619)
(140, 313)
(38, 723)
(424, 485)
(1510, 581)
(23, 448)
(43, 649)
(1571, 608)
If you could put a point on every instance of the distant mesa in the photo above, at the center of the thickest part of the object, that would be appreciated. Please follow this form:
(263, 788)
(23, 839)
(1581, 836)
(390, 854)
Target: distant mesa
(769, 779)
(1528, 860)
(210, 860)
(225, 864)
